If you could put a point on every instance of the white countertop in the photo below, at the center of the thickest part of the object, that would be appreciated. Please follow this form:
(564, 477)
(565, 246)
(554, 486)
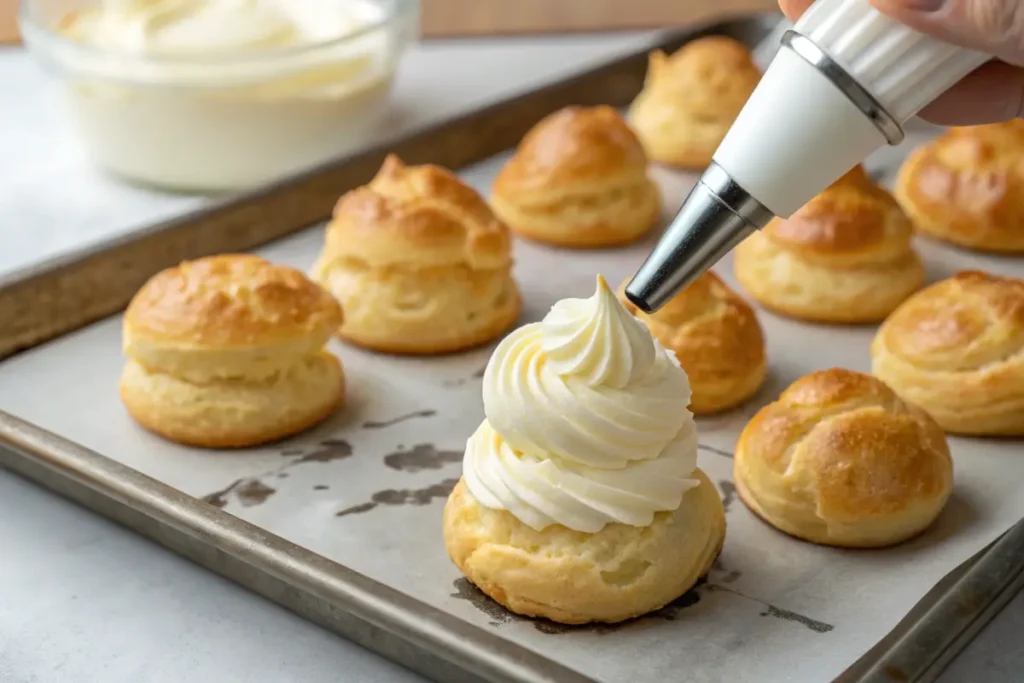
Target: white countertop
(83, 600)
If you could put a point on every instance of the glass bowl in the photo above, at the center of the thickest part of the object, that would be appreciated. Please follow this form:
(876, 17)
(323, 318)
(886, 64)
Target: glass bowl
(222, 121)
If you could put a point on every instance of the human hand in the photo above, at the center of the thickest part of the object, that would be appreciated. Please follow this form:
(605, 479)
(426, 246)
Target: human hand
(993, 93)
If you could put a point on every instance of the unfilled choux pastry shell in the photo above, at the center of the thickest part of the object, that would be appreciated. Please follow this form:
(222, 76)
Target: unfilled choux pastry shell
(966, 187)
(571, 577)
(845, 257)
(717, 338)
(691, 98)
(578, 179)
(841, 460)
(956, 349)
(419, 262)
(228, 351)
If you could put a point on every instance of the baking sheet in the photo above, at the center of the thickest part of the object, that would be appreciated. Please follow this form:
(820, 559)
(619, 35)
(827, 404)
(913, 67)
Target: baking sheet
(367, 489)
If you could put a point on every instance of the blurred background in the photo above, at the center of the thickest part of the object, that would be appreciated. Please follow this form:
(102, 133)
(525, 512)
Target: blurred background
(467, 18)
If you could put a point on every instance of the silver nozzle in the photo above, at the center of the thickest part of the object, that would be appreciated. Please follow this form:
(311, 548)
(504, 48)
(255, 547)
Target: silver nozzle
(716, 216)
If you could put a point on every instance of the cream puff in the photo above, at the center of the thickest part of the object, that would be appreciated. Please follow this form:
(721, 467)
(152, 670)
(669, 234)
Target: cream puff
(578, 179)
(691, 99)
(581, 500)
(844, 257)
(957, 350)
(717, 338)
(841, 460)
(229, 351)
(419, 263)
(966, 187)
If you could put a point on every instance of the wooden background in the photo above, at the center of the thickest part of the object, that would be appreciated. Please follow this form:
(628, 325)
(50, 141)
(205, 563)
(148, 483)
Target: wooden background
(450, 18)
(8, 25)
(461, 18)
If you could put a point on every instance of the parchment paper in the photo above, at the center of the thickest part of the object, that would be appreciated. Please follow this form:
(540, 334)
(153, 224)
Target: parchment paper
(367, 489)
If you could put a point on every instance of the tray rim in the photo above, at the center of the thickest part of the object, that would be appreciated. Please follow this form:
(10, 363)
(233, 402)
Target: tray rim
(383, 619)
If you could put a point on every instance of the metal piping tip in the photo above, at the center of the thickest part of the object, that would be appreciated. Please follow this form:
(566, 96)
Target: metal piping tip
(716, 216)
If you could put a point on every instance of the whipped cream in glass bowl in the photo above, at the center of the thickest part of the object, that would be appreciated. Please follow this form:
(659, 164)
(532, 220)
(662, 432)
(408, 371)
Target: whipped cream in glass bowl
(220, 95)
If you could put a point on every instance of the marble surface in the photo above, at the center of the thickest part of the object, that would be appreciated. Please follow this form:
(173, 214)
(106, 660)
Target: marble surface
(83, 600)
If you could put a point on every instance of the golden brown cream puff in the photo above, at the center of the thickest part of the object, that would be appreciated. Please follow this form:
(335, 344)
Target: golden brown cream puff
(957, 350)
(717, 338)
(578, 179)
(844, 257)
(229, 351)
(841, 460)
(419, 263)
(580, 498)
(620, 572)
(691, 99)
(966, 187)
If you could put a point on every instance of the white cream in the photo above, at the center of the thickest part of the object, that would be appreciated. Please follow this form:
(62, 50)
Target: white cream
(587, 421)
(226, 94)
(207, 28)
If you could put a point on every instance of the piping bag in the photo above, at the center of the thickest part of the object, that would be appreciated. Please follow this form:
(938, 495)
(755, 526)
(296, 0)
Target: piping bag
(845, 80)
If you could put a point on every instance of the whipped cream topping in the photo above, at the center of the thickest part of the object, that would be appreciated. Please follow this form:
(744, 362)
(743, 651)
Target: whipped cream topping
(586, 421)
(214, 27)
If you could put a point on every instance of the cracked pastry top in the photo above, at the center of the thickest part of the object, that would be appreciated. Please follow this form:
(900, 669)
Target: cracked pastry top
(839, 459)
(419, 262)
(845, 257)
(966, 187)
(229, 351)
(578, 179)
(717, 338)
(691, 98)
(956, 349)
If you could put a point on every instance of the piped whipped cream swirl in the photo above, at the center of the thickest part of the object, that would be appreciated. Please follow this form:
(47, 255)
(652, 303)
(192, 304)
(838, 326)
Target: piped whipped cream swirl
(587, 421)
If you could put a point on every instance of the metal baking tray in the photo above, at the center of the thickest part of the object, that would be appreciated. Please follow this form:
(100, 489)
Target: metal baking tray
(57, 435)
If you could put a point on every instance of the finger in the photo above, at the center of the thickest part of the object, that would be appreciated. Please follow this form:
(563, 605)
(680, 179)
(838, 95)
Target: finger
(995, 27)
(794, 8)
(992, 93)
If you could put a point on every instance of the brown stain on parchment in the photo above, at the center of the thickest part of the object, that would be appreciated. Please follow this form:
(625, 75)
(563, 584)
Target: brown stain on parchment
(400, 497)
(716, 451)
(498, 615)
(786, 615)
(401, 418)
(327, 450)
(728, 490)
(248, 492)
(424, 456)
(253, 492)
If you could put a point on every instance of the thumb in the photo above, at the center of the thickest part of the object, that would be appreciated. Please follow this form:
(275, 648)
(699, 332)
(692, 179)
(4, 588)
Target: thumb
(995, 27)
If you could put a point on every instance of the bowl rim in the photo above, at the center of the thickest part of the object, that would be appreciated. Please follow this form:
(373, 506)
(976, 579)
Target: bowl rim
(39, 37)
